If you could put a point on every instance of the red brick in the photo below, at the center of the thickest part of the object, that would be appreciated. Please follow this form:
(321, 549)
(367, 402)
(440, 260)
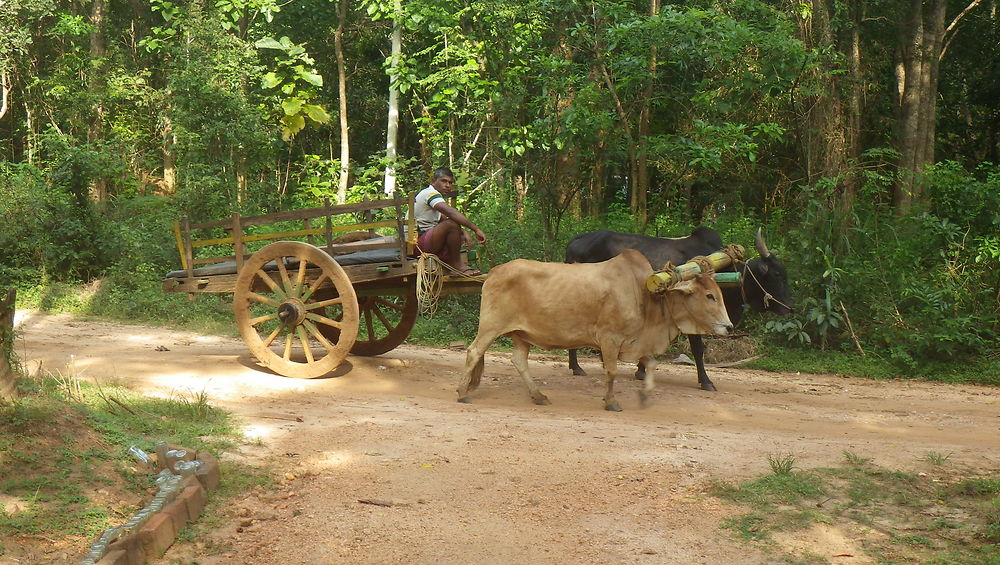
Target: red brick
(191, 481)
(133, 550)
(194, 497)
(178, 511)
(157, 534)
(117, 557)
(188, 455)
(208, 473)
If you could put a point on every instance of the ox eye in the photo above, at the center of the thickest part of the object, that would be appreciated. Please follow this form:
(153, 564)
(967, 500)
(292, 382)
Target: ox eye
(711, 297)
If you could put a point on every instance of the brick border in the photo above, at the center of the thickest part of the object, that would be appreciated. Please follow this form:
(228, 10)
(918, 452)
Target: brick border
(158, 533)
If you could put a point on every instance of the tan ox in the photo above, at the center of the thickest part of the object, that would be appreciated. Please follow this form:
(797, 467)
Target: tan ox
(604, 305)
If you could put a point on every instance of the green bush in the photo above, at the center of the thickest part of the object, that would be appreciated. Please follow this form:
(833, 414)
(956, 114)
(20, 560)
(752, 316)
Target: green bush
(917, 289)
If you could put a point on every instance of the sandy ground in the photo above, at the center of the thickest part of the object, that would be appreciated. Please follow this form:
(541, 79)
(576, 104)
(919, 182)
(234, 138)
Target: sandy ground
(379, 464)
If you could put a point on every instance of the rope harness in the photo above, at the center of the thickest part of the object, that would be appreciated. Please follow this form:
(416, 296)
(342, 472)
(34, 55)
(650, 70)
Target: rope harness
(768, 297)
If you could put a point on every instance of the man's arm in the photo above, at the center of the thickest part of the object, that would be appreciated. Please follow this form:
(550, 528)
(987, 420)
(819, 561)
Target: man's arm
(459, 218)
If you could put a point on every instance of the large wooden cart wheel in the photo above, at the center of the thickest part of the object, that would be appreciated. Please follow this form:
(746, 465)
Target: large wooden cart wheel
(286, 294)
(386, 320)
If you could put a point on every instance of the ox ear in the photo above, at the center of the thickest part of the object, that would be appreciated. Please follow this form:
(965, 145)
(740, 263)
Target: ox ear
(685, 287)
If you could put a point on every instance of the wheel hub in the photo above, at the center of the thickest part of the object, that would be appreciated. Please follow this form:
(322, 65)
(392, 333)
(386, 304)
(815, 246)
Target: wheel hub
(292, 312)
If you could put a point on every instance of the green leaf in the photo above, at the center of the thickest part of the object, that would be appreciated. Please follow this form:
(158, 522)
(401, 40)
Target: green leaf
(269, 43)
(292, 125)
(292, 106)
(316, 113)
(312, 78)
(271, 80)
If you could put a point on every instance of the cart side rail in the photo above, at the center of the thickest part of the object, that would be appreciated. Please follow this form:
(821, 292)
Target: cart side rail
(318, 228)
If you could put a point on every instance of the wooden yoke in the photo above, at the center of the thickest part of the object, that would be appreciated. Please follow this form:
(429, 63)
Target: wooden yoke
(663, 279)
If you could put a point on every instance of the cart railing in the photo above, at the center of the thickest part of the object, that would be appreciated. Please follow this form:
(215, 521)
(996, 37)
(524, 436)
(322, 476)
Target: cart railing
(318, 225)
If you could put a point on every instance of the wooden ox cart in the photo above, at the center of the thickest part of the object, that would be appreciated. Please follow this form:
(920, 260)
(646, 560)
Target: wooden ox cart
(308, 298)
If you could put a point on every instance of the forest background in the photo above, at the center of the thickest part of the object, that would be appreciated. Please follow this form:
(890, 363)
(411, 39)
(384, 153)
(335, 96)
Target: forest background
(862, 136)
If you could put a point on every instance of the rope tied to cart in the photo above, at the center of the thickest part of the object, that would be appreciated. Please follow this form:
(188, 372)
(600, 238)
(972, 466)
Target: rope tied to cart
(430, 281)
(431, 271)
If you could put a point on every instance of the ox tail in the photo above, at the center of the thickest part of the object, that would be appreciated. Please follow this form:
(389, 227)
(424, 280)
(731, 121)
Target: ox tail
(474, 362)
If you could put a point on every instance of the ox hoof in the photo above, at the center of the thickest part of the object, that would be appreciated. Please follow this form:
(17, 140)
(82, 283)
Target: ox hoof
(640, 376)
(613, 407)
(579, 372)
(541, 400)
(464, 399)
(643, 399)
(708, 386)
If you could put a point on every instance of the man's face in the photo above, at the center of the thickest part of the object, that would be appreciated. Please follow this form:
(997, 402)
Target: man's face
(444, 185)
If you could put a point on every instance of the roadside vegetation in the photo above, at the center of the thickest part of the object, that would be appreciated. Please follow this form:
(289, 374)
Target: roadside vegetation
(870, 300)
(557, 118)
(65, 471)
(938, 513)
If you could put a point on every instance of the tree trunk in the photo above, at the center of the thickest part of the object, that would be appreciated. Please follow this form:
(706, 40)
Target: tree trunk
(851, 47)
(98, 49)
(520, 195)
(4, 92)
(391, 132)
(240, 172)
(640, 190)
(822, 129)
(169, 185)
(8, 388)
(921, 38)
(345, 141)
(637, 203)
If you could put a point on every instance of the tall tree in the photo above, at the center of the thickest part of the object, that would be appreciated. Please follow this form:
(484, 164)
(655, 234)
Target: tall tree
(345, 138)
(392, 125)
(8, 388)
(98, 52)
(822, 122)
(922, 40)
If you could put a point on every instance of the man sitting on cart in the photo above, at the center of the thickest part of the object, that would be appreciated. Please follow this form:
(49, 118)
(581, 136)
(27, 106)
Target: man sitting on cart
(440, 226)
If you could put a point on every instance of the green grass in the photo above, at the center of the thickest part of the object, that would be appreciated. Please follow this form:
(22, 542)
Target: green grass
(63, 449)
(896, 516)
(785, 359)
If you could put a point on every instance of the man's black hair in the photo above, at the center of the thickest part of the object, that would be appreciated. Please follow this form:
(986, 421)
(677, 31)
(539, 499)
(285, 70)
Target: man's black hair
(442, 172)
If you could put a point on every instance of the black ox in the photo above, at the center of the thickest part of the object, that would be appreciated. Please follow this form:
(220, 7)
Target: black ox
(764, 286)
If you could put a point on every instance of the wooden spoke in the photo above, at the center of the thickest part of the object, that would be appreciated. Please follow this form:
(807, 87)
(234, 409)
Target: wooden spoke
(264, 318)
(270, 282)
(261, 299)
(270, 339)
(369, 327)
(317, 335)
(304, 339)
(300, 278)
(383, 302)
(283, 326)
(324, 320)
(312, 288)
(396, 316)
(324, 303)
(286, 282)
(381, 317)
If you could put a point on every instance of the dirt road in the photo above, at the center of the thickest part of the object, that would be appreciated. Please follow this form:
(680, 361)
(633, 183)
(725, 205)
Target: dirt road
(381, 465)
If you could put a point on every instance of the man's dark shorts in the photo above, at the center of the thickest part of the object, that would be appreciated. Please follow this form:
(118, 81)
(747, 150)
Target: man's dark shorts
(424, 243)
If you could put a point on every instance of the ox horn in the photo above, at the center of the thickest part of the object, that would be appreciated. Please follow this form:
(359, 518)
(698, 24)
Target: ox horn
(761, 246)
